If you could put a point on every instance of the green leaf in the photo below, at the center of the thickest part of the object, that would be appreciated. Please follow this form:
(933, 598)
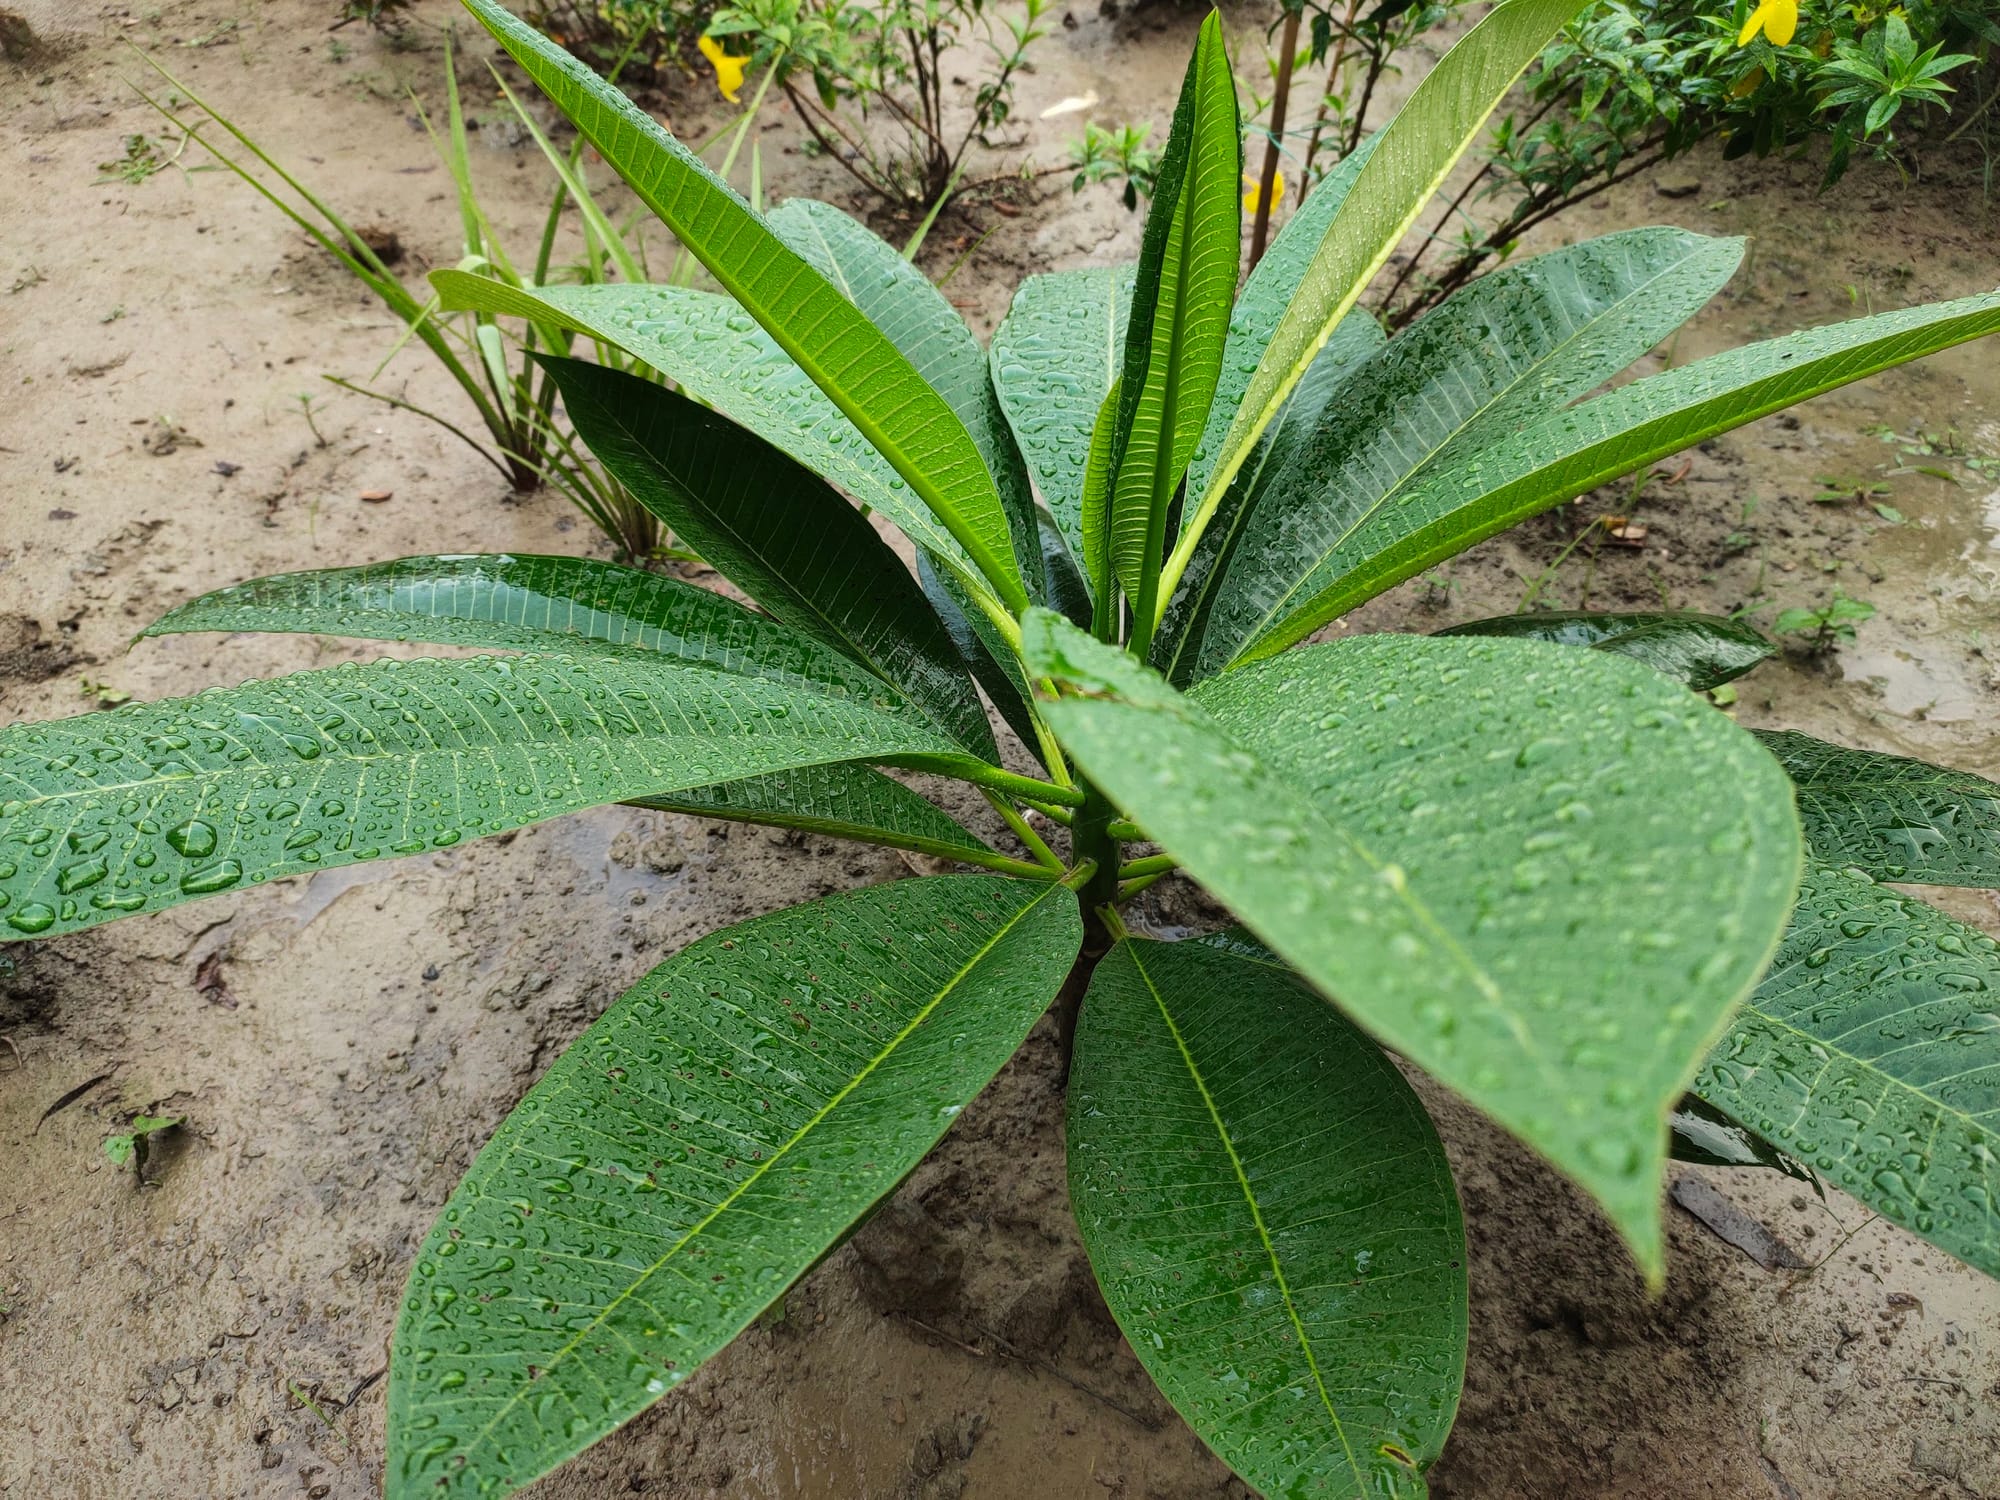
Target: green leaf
(1895, 818)
(1180, 319)
(1272, 1219)
(1267, 292)
(1487, 487)
(573, 606)
(1872, 1051)
(1706, 1136)
(1702, 651)
(1413, 155)
(843, 801)
(777, 531)
(846, 356)
(710, 348)
(1544, 876)
(1177, 647)
(154, 804)
(1055, 355)
(1094, 506)
(694, 1153)
(988, 657)
(1523, 340)
(900, 300)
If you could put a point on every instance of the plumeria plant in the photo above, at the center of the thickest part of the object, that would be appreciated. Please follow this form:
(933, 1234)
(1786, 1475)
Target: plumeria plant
(1520, 856)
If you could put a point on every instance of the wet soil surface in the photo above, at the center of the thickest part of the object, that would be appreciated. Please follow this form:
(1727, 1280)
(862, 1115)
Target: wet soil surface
(341, 1045)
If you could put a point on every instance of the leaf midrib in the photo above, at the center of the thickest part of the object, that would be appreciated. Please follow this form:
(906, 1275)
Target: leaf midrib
(765, 1166)
(1256, 1212)
(1424, 465)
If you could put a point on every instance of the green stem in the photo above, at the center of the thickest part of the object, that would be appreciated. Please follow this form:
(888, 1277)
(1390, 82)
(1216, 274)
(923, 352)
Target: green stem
(1152, 864)
(1044, 856)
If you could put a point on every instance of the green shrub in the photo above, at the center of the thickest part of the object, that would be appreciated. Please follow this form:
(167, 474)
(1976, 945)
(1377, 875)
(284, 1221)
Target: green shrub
(1521, 855)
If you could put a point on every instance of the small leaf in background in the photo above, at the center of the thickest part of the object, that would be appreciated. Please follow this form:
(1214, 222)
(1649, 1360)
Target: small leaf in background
(1871, 1051)
(1893, 817)
(131, 1144)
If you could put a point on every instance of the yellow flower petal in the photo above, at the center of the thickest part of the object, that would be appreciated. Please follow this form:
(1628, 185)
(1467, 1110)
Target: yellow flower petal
(728, 70)
(1750, 27)
(1250, 198)
(1783, 22)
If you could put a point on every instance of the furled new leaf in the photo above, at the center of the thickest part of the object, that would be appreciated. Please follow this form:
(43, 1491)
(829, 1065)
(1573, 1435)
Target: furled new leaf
(1895, 818)
(1523, 340)
(1413, 155)
(1872, 1052)
(1545, 876)
(1703, 651)
(1180, 319)
(154, 804)
(847, 356)
(1271, 1218)
(776, 530)
(1054, 357)
(693, 1154)
(1495, 484)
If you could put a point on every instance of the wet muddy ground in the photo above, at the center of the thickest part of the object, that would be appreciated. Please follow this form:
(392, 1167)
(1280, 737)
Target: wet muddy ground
(341, 1045)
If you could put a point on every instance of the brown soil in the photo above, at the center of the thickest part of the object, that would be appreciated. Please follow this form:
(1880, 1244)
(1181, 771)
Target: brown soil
(341, 1045)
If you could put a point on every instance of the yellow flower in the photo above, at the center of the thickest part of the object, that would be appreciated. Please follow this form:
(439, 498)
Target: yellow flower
(728, 70)
(1777, 19)
(1250, 197)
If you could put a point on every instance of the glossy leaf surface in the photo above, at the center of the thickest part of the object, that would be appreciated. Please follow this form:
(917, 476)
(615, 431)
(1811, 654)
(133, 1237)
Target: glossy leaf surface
(1176, 650)
(1412, 157)
(843, 801)
(1271, 1217)
(1702, 651)
(1895, 818)
(694, 1153)
(1544, 876)
(713, 351)
(1490, 486)
(1523, 340)
(1872, 1052)
(845, 355)
(1180, 317)
(155, 804)
(776, 530)
(521, 602)
(900, 300)
(1054, 357)
(1258, 309)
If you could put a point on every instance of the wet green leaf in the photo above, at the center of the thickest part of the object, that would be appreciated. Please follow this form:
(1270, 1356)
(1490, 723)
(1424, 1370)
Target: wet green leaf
(1055, 356)
(1179, 320)
(1544, 876)
(1895, 818)
(574, 606)
(1412, 157)
(1871, 1051)
(1521, 341)
(713, 351)
(693, 1154)
(1703, 651)
(1512, 474)
(843, 801)
(900, 300)
(776, 530)
(1272, 1219)
(847, 356)
(151, 805)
